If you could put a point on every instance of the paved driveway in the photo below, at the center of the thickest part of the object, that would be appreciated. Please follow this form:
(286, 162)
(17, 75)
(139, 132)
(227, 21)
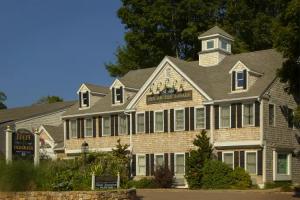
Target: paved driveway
(183, 194)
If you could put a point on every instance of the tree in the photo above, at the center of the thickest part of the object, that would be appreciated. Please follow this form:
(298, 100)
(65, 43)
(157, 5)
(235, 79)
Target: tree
(2, 99)
(121, 151)
(197, 158)
(49, 99)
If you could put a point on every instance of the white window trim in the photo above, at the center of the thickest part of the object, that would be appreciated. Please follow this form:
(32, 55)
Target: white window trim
(163, 122)
(119, 125)
(103, 126)
(227, 152)
(208, 42)
(253, 123)
(175, 158)
(236, 80)
(158, 154)
(85, 127)
(224, 41)
(136, 122)
(175, 119)
(245, 161)
(115, 91)
(84, 106)
(282, 177)
(274, 120)
(220, 116)
(70, 128)
(137, 164)
(195, 118)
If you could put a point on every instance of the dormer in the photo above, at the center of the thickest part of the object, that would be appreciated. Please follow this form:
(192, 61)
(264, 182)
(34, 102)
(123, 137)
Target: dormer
(216, 44)
(117, 92)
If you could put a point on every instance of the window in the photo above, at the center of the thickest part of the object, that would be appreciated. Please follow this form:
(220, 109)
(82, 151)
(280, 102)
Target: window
(200, 118)
(159, 121)
(118, 94)
(88, 128)
(223, 44)
(248, 114)
(282, 163)
(224, 116)
(251, 162)
(240, 79)
(228, 159)
(290, 118)
(271, 115)
(179, 120)
(106, 126)
(122, 124)
(140, 122)
(179, 164)
(73, 128)
(159, 161)
(85, 99)
(141, 165)
(210, 44)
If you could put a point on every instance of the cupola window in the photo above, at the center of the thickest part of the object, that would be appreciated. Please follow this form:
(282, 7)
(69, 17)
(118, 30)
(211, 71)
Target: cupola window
(210, 44)
(223, 44)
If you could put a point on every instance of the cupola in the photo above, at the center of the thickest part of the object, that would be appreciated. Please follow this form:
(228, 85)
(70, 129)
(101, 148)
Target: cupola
(216, 44)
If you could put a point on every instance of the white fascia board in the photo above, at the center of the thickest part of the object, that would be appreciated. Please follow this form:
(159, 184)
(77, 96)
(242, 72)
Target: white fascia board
(161, 65)
(214, 35)
(80, 88)
(228, 100)
(43, 115)
(95, 113)
(249, 70)
(42, 128)
(115, 81)
(238, 143)
(90, 150)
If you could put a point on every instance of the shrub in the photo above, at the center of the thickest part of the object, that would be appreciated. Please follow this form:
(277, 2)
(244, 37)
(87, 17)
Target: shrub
(240, 178)
(142, 183)
(163, 177)
(279, 184)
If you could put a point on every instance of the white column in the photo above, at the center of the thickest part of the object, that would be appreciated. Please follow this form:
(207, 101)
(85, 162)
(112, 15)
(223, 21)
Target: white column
(36, 147)
(212, 123)
(118, 180)
(8, 145)
(93, 181)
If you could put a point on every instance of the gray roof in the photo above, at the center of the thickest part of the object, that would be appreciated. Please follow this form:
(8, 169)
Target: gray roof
(56, 132)
(216, 30)
(136, 78)
(97, 88)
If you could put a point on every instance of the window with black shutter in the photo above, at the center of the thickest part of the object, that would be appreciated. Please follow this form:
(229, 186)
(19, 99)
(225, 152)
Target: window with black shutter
(82, 128)
(187, 118)
(172, 120)
(85, 99)
(133, 165)
(94, 126)
(239, 115)
(147, 116)
(147, 164)
(119, 95)
(257, 115)
(79, 95)
(151, 121)
(67, 129)
(233, 115)
(216, 108)
(100, 126)
(172, 164)
(192, 120)
(151, 164)
(207, 114)
(166, 124)
(233, 81)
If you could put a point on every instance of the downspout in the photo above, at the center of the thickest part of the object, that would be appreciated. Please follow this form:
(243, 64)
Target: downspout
(126, 112)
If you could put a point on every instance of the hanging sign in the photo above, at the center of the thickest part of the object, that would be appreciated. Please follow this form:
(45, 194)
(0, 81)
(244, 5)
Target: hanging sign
(23, 142)
(169, 95)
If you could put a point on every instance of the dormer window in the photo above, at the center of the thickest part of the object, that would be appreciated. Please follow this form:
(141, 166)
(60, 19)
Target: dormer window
(210, 44)
(117, 95)
(84, 99)
(240, 79)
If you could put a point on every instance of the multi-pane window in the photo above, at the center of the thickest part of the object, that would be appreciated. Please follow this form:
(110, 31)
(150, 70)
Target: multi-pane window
(118, 93)
(228, 159)
(122, 124)
(159, 160)
(251, 162)
(106, 126)
(141, 165)
(140, 122)
(85, 98)
(179, 164)
(210, 44)
(248, 115)
(282, 163)
(73, 128)
(88, 128)
(240, 79)
(159, 121)
(224, 116)
(179, 120)
(271, 115)
(223, 44)
(200, 118)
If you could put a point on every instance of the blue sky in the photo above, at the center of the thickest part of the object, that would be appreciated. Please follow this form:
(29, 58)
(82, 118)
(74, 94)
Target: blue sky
(50, 47)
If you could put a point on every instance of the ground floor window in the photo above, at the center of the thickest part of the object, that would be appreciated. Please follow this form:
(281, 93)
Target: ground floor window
(250, 161)
(282, 163)
(228, 159)
(106, 126)
(159, 161)
(73, 128)
(141, 165)
(122, 124)
(88, 127)
(282, 166)
(179, 164)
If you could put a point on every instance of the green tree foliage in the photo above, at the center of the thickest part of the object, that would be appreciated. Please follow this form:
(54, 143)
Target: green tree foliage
(197, 158)
(121, 151)
(49, 99)
(2, 100)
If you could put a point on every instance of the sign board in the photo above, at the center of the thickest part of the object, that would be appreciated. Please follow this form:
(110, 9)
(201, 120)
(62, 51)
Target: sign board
(169, 96)
(23, 142)
(106, 182)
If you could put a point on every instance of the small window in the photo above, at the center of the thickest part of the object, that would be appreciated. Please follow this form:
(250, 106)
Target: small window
(248, 115)
(179, 120)
(122, 124)
(159, 161)
(251, 162)
(210, 44)
(88, 128)
(282, 163)
(290, 118)
(85, 99)
(73, 128)
(200, 118)
(140, 122)
(271, 115)
(159, 121)
(106, 126)
(224, 116)
(141, 165)
(179, 164)
(118, 93)
(240, 79)
(223, 44)
(228, 159)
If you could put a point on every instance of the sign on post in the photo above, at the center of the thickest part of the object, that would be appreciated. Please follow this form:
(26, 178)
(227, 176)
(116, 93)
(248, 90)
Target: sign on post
(23, 142)
(106, 182)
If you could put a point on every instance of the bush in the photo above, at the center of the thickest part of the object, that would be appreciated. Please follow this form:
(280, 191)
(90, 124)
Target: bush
(163, 177)
(240, 179)
(142, 183)
(284, 185)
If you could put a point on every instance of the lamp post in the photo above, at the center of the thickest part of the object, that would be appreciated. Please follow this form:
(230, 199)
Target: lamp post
(84, 150)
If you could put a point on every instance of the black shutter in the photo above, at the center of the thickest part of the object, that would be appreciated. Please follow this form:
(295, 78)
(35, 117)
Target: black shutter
(233, 115)
(233, 81)
(67, 129)
(147, 121)
(166, 124)
(236, 159)
(257, 119)
(216, 116)
(133, 122)
(245, 79)
(166, 160)
(116, 125)
(100, 126)
(88, 99)
(219, 156)
(186, 156)
(172, 120)
(172, 163)
(128, 124)
(79, 99)
(78, 127)
(242, 159)
(94, 126)
(239, 115)
(112, 125)
(121, 94)
(151, 122)
(82, 128)
(192, 120)
(259, 162)
(187, 118)
(113, 95)
(207, 116)
(133, 165)
(152, 164)
(147, 165)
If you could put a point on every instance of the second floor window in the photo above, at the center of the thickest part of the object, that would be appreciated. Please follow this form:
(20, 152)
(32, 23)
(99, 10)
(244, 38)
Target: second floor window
(271, 115)
(159, 121)
(240, 79)
(200, 118)
(106, 126)
(73, 128)
(122, 124)
(88, 128)
(140, 122)
(248, 115)
(118, 94)
(224, 116)
(179, 120)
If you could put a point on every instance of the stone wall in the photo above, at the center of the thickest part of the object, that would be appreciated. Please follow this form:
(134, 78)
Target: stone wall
(73, 195)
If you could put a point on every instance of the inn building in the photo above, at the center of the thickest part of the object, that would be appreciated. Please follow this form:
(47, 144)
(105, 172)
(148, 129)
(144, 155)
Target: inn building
(158, 111)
